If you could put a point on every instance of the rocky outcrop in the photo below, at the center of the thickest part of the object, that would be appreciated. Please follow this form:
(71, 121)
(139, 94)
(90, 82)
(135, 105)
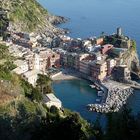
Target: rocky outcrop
(131, 59)
(115, 97)
(30, 16)
(135, 63)
(55, 20)
(132, 62)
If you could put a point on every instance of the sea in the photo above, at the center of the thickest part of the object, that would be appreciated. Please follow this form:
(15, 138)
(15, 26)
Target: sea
(88, 18)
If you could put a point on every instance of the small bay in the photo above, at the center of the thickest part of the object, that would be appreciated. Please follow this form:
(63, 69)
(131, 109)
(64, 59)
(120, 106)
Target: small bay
(75, 95)
(90, 18)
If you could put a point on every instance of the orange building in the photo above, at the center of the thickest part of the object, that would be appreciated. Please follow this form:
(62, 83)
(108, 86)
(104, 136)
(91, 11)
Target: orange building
(100, 41)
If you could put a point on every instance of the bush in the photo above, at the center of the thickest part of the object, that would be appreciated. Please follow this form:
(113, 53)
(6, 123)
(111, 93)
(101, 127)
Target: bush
(44, 84)
(134, 44)
(31, 92)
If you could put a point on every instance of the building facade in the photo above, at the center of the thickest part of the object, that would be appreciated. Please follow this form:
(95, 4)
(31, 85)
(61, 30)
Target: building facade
(99, 70)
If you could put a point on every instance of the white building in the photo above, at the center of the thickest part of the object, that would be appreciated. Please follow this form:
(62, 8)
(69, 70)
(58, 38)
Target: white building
(51, 100)
(31, 76)
(36, 62)
(22, 67)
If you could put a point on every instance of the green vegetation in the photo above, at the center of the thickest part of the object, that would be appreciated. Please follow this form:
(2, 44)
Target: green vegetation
(3, 51)
(72, 127)
(4, 22)
(5, 74)
(19, 119)
(6, 63)
(31, 121)
(117, 41)
(134, 46)
(22, 118)
(29, 13)
(111, 40)
(5, 70)
(44, 84)
(31, 92)
(22, 114)
(123, 126)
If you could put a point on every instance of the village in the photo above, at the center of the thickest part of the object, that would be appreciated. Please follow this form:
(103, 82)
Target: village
(95, 59)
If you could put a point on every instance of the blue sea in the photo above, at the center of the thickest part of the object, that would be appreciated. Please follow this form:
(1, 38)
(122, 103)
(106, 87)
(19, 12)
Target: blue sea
(90, 18)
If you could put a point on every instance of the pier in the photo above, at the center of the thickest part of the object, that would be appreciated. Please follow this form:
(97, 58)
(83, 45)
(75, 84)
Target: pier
(114, 97)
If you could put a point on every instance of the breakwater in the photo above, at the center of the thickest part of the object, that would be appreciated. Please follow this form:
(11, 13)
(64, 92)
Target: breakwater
(116, 97)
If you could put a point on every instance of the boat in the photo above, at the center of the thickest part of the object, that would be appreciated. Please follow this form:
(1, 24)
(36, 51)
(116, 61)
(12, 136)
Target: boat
(100, 93)
(92, 86)
(98, 100)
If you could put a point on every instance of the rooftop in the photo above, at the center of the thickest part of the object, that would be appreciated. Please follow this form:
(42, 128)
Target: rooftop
(31, 73)
(51, 97)
(20, 62)
(100, 62)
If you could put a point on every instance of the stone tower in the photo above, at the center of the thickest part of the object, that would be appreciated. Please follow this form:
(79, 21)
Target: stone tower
(119, 31)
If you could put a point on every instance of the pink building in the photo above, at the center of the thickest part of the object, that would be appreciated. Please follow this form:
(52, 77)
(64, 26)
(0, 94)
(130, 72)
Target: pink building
(106, 48)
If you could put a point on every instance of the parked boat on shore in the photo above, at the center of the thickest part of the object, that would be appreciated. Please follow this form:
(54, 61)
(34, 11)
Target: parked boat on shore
(92, 86)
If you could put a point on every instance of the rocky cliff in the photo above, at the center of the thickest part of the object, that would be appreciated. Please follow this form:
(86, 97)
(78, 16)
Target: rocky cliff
(132, 61)
(30, 16)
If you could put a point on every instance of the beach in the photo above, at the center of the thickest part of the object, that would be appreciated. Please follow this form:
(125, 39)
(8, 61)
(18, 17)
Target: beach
(66, 74)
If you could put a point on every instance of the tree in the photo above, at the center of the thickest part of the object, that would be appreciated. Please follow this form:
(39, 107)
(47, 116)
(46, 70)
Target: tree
(4, 22)
(36, 95)
(71, 127)
(44, 84)
(31, 92)
(122, 126)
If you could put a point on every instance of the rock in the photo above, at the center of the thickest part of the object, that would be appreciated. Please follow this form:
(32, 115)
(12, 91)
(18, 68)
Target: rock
(55, 20)
(116, 98)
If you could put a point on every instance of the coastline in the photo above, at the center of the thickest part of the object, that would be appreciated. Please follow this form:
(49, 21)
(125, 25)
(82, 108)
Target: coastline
(115, 97)
(65, 74)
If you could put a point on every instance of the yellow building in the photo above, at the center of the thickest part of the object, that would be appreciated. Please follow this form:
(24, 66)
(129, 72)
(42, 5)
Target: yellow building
(99, 70)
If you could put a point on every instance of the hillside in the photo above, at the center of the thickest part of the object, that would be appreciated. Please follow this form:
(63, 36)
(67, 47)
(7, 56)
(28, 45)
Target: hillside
(29, 16)
(24, 116)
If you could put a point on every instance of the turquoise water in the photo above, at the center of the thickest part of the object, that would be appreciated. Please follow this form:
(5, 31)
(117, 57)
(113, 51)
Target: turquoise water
(90, 18)
(75, 95)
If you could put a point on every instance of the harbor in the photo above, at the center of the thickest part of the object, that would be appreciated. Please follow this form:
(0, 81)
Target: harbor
(113, 98)
(75, 94)
(110, 95)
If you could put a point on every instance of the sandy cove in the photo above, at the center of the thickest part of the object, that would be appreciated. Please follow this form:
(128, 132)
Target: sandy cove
(66, 74)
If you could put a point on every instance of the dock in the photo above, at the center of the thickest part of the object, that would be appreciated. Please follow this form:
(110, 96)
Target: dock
(114, 97)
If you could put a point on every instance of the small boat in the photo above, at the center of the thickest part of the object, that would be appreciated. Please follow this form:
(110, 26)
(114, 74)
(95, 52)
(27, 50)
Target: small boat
(98, 100)
(92, 86)
(100, 93)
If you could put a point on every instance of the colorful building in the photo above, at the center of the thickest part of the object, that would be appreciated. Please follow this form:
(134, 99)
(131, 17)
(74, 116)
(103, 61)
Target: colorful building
(106, 48)
(121, 73)
(111, 63)
(100, 41)
(99, 70)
